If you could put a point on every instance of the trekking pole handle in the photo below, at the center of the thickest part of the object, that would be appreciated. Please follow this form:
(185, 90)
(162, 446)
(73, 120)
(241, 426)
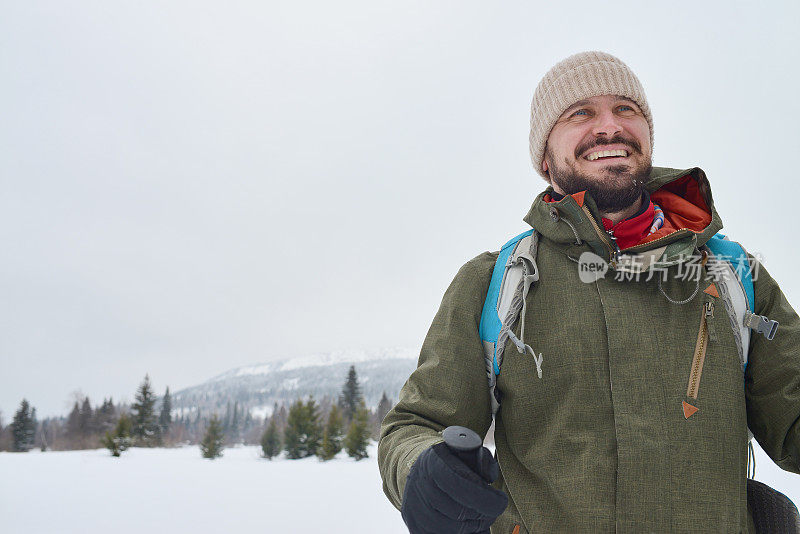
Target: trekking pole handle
(468, 446)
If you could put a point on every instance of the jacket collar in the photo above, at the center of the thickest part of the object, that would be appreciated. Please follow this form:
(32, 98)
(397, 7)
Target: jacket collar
(683, 194)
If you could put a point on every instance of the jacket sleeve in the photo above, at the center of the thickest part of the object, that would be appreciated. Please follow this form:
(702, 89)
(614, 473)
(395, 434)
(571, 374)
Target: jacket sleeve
(449, 386)
(772, 379)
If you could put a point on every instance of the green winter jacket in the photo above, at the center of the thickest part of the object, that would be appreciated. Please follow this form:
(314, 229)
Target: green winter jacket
(601, 442)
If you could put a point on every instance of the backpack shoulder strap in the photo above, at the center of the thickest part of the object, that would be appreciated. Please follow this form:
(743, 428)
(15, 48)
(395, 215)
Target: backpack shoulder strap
(725, 256)
(734, 253)
(514, 272)
(735, 283)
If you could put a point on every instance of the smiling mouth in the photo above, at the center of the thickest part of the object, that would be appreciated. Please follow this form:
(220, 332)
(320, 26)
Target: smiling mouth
(607, 154)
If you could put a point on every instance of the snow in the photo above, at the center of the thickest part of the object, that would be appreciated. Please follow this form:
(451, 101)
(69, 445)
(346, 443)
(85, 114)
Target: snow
(175, 490)
(259, 369)
(348, 356)
(181, 411)
(290, 383)
(321, 359)
(261, 412)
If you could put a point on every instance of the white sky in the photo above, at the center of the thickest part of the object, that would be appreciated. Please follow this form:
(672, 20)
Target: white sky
(193, 186)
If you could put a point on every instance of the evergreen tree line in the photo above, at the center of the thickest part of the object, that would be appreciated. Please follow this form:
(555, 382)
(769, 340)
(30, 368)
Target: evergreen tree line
(309, 428)
(147, 422)
(80, 430)
(306, 428)
(238, 426)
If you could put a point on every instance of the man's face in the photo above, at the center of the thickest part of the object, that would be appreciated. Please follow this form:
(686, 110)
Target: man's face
(576, 159)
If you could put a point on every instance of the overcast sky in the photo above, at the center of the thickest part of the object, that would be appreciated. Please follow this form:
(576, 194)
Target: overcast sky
(193, 186)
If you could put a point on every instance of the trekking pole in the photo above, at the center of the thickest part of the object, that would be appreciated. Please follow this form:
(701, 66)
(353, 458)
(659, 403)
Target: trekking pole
(468, 446)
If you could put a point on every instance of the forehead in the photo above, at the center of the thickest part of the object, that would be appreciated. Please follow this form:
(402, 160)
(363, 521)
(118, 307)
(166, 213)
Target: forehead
(599, 100)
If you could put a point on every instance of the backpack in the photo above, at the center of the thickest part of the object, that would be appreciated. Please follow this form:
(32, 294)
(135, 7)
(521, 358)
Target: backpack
(515, 271)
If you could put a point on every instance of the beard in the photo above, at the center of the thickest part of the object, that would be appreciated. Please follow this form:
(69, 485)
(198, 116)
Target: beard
(618, 187)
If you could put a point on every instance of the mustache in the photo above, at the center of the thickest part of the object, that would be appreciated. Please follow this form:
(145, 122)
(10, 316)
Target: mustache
(634, 146)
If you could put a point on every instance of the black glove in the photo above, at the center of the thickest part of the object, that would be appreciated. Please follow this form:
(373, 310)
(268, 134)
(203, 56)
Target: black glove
(443, 495)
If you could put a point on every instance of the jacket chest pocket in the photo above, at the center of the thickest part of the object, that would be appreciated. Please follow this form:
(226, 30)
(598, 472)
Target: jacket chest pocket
(714, 376)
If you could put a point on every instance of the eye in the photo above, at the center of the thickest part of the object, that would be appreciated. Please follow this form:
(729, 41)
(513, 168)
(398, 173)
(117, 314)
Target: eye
(580, 111)
(625, 108)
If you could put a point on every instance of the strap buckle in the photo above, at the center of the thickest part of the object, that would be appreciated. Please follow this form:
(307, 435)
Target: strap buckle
(761, 325)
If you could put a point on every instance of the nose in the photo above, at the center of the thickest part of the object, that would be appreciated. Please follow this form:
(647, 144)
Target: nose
(607, 123)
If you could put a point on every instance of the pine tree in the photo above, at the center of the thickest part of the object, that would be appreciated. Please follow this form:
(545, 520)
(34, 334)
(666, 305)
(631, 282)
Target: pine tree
(384, 405)
(165, 417)
(34, 424)
(44, 429)
(226, 421)
(272, 416)
(104, 419)
(214, 440)
(281, 417)
(23, 427)
(234, 430)
(303, 434)
(85, 415)
(271, 441)
(145, 425)
(248, 421)
(119, 440)
(357, 438)
(351, 395)
(332, 437)
(74, 436)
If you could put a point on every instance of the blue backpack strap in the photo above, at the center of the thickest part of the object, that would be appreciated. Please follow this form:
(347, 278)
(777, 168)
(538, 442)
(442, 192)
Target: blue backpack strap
(734, 253)
(491, 324)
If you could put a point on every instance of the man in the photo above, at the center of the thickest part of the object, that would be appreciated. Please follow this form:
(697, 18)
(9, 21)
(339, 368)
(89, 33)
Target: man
(619, 427)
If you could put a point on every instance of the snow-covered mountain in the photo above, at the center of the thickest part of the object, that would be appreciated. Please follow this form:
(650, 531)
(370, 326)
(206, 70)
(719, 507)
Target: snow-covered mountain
(258, 387)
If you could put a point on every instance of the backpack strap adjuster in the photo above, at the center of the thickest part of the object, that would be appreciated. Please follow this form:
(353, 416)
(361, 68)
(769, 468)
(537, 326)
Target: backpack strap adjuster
(761, 325)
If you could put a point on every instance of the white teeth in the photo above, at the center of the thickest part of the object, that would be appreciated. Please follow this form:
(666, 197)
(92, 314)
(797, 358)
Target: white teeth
(606, 153)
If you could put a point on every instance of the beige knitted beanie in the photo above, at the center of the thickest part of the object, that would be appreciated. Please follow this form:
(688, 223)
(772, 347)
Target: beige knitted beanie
(580, 76)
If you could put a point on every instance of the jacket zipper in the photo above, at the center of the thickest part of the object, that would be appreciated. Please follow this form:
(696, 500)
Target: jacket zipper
(613, 248)
(700, 351)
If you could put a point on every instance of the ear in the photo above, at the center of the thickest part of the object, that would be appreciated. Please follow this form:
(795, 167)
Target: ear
(544, 164)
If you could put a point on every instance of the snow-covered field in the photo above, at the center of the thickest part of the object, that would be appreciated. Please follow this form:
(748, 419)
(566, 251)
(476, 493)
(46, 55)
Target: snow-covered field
(176, 491)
